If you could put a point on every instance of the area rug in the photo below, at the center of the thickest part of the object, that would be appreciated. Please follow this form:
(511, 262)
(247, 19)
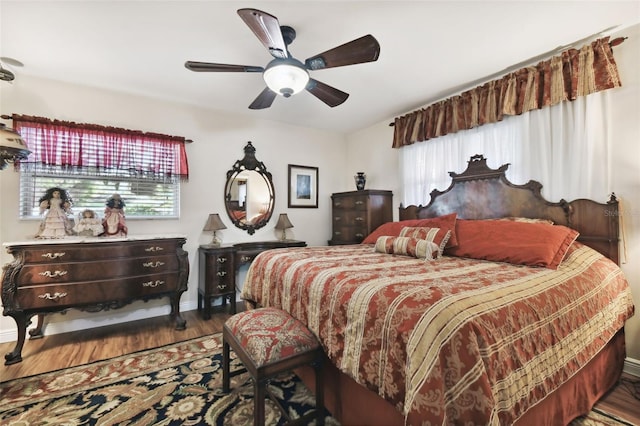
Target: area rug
(177, 384)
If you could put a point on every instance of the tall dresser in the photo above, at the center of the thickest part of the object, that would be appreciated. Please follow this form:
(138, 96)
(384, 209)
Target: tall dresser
(357, 213)
(90, 274)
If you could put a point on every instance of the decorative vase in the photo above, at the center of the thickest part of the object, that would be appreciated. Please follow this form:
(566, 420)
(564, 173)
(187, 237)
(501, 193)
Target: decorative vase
(361, 180)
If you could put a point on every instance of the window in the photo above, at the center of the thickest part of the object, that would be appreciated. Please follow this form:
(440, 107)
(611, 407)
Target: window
(94, 162)
(144, 199)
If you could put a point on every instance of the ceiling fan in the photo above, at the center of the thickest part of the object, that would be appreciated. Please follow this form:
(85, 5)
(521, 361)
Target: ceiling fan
(285, 75)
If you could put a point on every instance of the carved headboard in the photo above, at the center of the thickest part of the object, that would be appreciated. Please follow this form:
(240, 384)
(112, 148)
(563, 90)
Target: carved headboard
(484, 193)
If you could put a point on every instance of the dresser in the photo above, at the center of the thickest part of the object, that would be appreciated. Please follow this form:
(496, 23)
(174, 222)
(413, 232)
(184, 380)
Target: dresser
(90, 274)
(357, 213)
(218, 268)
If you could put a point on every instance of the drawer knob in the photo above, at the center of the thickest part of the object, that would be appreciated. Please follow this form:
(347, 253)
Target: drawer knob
(155, 283)
(359, 219)
(337, 218)
(359, 203)
(222, 259)
(338, 233)
(53, 255)
(55, 274)
(153, 264)
(221, 273)
(222, 286)
(55, 296)
(337, 204)
(245, 258)
(153, 249)
(360, 235)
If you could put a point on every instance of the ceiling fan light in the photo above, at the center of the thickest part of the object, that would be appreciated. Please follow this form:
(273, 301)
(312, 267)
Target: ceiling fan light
(286, 78)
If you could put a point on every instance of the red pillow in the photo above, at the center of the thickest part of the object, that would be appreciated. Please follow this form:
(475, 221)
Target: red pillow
(520, 243)
(393, 229)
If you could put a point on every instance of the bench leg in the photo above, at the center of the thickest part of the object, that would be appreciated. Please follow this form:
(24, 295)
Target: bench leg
(226, 365)
(317, 366)
(259, 396)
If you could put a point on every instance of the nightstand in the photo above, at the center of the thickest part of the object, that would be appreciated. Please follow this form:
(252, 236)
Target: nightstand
(216, 278)
(218, 269)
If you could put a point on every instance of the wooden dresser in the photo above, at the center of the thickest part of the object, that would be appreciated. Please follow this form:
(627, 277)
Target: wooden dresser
(90, 274)
(218, 268)
(357, 213)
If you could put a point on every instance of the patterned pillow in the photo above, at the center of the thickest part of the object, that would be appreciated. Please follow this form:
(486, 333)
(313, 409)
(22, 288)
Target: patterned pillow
(392, 229)
(414, 247)
(436, 235)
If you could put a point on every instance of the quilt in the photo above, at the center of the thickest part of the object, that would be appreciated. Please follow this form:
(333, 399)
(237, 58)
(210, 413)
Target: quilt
(451, 340)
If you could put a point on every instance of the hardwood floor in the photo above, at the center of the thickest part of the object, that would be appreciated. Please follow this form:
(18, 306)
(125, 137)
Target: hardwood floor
(70, 349)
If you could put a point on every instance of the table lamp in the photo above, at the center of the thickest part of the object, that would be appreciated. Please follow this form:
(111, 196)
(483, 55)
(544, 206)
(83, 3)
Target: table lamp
(214, 223)
(284, 223)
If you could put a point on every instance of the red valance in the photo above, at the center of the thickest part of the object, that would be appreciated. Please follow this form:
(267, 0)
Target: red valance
(564, 77)
(89, 149)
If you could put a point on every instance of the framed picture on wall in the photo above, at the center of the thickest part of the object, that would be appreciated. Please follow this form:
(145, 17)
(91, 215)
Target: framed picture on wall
(303, 186)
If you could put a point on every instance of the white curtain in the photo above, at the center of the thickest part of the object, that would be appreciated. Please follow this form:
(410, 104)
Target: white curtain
(565, 147)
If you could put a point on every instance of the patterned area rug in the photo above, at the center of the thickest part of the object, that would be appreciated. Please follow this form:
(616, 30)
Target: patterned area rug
(178, 384)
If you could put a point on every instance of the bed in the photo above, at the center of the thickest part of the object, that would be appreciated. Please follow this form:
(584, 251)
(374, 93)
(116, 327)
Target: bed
(516, 317)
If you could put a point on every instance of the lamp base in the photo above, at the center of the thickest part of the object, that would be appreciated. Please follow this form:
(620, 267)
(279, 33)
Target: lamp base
(216, 241)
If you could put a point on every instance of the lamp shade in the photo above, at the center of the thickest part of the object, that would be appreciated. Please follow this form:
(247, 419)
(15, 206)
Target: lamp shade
(286, 77)
(214, 223)
(283, 222)
(12, 147)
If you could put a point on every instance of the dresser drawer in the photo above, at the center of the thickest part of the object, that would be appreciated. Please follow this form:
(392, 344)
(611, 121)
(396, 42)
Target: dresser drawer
(353, 234)
(88, 271)
(350, 203)
(350, 218)
(246, 256)
(221, 285)
(55, 253)
(56, 296)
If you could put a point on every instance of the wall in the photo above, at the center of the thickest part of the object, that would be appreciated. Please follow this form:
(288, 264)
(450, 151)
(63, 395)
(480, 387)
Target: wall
(370, 150)
(219, 139)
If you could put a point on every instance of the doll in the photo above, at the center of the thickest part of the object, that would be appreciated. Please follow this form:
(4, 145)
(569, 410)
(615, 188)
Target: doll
(89, 224)
(57, 204)
(114, 221)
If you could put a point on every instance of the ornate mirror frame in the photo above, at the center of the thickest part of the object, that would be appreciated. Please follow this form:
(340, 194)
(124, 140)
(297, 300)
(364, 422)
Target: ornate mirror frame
(253, 210)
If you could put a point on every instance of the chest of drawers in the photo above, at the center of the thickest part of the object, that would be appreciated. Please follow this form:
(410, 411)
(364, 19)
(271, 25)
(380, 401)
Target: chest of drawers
(356, 213)
(91, 275)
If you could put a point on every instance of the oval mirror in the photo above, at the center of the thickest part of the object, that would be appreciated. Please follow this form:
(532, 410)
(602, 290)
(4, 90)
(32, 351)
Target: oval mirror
(249, 194)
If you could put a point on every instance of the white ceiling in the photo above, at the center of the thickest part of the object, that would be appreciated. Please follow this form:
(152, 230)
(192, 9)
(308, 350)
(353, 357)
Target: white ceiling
(429, 49)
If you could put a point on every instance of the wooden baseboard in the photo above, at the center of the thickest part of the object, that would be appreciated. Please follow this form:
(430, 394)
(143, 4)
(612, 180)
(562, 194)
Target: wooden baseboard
(632, 366)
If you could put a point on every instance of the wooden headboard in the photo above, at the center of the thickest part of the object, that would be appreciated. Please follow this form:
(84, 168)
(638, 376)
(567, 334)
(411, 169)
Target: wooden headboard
(483, 193)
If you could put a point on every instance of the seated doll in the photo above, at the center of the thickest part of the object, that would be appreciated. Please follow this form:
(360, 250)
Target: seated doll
(89, 224)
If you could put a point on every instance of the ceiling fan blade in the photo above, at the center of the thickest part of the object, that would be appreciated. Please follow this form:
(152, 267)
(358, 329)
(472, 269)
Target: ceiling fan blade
(267, 28)
(327, 94)
(210, 67)
(264, 99)
(363, 49)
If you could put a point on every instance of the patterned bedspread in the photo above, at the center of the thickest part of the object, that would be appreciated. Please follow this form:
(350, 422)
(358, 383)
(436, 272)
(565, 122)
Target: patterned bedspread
(454, 340)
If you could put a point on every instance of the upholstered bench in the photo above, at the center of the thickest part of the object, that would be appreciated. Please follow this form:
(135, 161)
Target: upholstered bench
(269, 341)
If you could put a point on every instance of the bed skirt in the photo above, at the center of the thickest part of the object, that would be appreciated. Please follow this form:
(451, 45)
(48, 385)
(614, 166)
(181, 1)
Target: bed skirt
(353, 404)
